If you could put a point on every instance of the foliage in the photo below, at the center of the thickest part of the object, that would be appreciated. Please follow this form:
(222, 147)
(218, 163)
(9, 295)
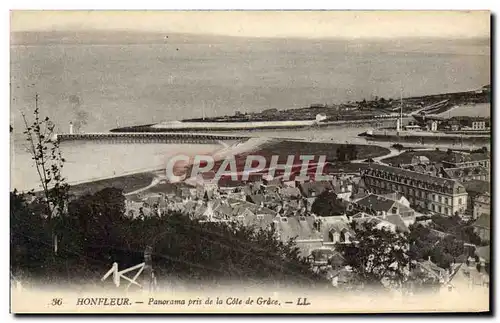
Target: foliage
(425, 244)
(378, 256)
(347, 152)
(28, 233)
(456, 227)
(45, 152)
(327, 204)
(398, 147)
(96, 233)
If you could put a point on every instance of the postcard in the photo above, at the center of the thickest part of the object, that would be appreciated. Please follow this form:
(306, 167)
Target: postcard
(250, 162)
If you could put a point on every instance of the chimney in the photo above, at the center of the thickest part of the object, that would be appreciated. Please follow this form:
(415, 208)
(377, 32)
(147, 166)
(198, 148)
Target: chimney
(70, 128)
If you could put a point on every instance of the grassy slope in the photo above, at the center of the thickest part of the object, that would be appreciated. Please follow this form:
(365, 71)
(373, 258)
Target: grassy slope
(133, 182)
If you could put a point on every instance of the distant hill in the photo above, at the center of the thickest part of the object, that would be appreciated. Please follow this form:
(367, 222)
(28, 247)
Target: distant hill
(148, 37)
(107, 37)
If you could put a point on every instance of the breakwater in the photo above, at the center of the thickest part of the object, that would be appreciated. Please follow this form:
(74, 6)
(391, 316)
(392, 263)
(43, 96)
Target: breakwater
(422, 138)
(178, 126)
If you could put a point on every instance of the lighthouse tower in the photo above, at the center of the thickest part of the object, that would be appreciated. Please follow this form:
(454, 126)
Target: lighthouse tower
(70, 128)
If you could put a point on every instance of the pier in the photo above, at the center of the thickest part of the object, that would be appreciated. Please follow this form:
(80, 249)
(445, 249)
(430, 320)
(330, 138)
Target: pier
(149, 137)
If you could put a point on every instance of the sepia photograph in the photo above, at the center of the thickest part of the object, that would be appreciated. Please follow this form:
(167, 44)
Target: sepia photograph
(225, 161)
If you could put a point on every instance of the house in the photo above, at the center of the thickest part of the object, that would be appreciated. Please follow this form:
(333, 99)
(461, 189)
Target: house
(460, 160)
(392, 222)
(482, 226)
(478, 199)
(343, 277)
(439, 195)
(334, 230)
(482, 205)
(379, 205)
(469, 275)
(300, 228)
(420, 160)
(257, 220)
(398, 197)
(200, 212)
(314, 189)
(290, 192)
(223, 211)
(270, 181)
(320, 257)
(207, 191)
(483, 255)
(343, 187)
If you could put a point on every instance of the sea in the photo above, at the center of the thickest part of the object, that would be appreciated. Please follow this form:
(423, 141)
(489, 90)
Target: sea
(102, 86)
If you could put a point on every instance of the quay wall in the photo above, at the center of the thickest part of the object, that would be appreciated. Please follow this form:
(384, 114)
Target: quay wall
(455, 139)
(177, 126)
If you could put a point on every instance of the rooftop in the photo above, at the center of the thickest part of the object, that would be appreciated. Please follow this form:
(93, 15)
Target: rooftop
(444, 182)
(300, 228)
(460, 172)
(310, 189)
(376, 203)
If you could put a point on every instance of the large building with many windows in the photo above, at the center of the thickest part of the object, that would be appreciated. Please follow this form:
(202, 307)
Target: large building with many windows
(436, 194)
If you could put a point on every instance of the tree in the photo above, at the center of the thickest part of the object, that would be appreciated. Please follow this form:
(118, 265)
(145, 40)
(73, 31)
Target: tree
(96, 234)
(378, 256)
(98, 217)
(398, 147)
(219, 252)
(44, 149)
(353, 149)
(30, 241)
(45, 152)
(341, 153)
(327, 204)
(443, 252)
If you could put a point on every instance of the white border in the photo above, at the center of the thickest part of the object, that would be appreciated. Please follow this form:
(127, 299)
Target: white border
(190, 4)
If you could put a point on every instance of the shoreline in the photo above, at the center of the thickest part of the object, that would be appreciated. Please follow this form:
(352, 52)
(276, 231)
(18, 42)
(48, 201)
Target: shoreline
(378, 109)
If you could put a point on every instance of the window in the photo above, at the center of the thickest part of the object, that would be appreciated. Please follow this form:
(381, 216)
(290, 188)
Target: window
(460, 201)
(440, 200)
(394, 210)
(446, 201)
(334, 236)
(433, 209)
(439, 209)
(433, 197)
(447, 211)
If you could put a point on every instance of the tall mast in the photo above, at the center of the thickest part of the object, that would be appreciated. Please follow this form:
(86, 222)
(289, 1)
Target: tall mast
(401, 102)
(203, 110)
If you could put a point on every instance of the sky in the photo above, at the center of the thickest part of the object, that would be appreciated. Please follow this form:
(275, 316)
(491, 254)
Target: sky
(304, 24)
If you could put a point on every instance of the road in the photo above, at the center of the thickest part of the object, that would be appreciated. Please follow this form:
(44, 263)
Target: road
(154, 182)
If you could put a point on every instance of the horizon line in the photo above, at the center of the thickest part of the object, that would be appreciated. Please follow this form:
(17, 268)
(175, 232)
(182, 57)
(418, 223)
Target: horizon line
(207, 34)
